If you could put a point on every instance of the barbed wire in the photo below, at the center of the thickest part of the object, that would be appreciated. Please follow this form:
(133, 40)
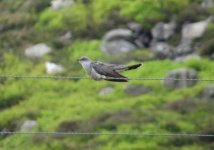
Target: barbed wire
(108, 134)
(78, 77)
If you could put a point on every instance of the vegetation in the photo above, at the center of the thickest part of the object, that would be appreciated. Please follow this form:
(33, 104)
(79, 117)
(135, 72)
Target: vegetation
(75, 105)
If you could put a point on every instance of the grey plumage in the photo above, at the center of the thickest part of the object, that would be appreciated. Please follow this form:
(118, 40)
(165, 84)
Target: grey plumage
(99, 70)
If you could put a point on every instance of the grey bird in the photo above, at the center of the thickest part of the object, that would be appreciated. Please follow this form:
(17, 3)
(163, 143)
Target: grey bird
(110, 72)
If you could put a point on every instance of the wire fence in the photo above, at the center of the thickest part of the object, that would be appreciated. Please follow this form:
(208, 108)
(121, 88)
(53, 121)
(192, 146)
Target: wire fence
(107, 134)
(78, 77)
(3, 133)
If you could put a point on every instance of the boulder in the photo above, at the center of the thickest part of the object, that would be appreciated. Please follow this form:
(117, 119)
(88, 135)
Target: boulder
(162, 31)
(106, 91)
(141, 37)
(208, 92)
(117, 47)
(66, 37)
(28, 125)
(162, 50)
(37, 50)
(207, 4)
(117, 41)
(117, 34)
(195, 30)
(52, 68)
(136, 28)
(136, 90)
(212, 56)
(184, 48)
(58, 4)
(183, 74)
(186, 57)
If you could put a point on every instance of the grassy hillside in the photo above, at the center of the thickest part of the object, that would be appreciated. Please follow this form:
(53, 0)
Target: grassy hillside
(65, 105)
(75, 105)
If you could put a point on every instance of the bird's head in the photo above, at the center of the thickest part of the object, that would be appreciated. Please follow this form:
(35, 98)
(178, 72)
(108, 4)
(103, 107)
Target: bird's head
(84, 59)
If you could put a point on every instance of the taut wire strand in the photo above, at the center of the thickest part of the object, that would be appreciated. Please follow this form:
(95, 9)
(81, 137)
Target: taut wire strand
(108, 134)
(78, 77)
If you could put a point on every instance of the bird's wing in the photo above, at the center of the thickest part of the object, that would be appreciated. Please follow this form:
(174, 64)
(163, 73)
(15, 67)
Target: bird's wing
(115, 67)
(106, 70)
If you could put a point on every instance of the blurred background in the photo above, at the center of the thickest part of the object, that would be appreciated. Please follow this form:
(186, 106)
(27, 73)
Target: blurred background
(173, 38)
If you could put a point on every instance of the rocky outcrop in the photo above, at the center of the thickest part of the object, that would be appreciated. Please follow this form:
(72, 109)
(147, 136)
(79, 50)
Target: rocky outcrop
(212, 56)
(37, 50)
(162, 50)
(207, 4)
(162, 31)
(184, 48)
(161, 39)
(183, 74)
(195, 30)
(117, 41)
(190, 32)
(141, 37)
(124, 40)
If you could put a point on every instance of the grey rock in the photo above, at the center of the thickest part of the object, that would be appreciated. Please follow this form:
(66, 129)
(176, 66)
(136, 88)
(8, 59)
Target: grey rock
(28, 125)
(212, 56)
(66, 37)
(136, 90)
(117, 41)
(195, 30)
(207, 4)
(52, 68)
(185, 47)
(117, 34)
(134, 26)
(137, 34)
(106, 91)
(58, 4)
(117, 47)
(186, 57)
(162, 31)
(37, 50)
(208, 92)
(140, 37)
(162, 50)
(182, 73)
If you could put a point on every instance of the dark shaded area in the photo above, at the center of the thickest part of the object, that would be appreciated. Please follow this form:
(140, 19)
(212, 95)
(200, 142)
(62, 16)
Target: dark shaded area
(184, 106)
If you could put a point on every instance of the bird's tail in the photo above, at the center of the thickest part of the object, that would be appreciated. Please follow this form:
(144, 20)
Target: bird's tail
(133, 66)
(118, 80)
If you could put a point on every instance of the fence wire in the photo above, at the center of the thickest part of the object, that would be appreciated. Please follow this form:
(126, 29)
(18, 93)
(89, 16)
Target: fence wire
(3, 133)
(78, 77)
(106, 134)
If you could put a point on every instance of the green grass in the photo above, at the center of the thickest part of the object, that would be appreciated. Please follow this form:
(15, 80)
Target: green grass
(52, 102)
